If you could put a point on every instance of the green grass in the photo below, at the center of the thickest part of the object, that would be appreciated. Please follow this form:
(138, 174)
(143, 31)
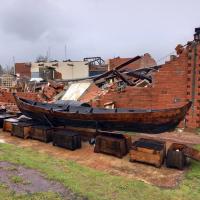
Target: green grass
(16, 179)
(94, 184)
(19, 180)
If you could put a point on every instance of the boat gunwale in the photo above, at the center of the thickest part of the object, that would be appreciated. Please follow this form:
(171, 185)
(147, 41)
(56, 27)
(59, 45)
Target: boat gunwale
(127, 110)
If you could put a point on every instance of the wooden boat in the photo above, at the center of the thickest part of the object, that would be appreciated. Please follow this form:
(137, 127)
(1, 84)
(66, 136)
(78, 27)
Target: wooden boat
(82, 115)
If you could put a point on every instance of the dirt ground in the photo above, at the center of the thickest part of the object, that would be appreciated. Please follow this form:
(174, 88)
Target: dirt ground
(25, 181)
(162, 177)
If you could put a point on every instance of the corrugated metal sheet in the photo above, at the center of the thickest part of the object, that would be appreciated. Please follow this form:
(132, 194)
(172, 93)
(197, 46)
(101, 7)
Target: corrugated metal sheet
(75, 91)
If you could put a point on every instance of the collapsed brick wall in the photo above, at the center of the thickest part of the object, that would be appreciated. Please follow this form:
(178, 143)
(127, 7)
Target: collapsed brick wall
(8, 97)
(90, 94)
(177, 82)
(168, 90)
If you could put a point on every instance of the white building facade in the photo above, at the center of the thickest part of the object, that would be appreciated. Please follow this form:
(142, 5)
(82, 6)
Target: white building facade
(67, 69)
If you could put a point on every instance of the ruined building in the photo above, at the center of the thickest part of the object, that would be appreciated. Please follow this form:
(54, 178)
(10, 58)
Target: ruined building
(173, 84)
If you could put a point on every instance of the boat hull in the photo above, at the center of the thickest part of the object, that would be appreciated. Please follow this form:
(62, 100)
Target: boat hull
(147, 121)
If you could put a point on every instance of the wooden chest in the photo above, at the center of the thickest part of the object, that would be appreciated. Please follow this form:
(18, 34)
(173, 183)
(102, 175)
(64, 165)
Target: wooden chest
(85, 133)
(175, 156)
(7, 124)
(113, 144)
(21, 129)
(3, 117)
(67, 139)
(42, 133)
(148, 151)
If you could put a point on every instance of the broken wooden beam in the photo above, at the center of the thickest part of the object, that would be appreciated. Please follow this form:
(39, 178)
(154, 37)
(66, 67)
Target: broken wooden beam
(118, 67)
(191, 153)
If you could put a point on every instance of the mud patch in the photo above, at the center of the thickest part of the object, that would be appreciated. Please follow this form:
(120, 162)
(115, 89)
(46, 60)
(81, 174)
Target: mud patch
(28, 181)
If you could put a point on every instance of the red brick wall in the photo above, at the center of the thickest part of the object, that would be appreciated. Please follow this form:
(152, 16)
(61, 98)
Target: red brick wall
(23, 69)
(193, 85)
(90, 93)
(7, 97)
(57, 75)
(145, 61)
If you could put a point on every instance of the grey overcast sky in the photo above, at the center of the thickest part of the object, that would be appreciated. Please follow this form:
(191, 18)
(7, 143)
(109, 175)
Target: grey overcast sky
(106, 28)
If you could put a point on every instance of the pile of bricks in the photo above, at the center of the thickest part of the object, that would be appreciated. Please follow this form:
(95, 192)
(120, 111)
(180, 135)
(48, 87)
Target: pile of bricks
(7, 99)
(51, 90)
(92, 92)
(10, 107)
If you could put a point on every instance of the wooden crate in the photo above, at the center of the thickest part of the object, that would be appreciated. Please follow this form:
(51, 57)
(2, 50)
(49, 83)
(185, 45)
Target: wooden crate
(175, 156)
(42, 133)
(66, 139)
(113, 144)
(3, 117)
(21, 129)
(7, 124)
(85, 133)
(148, 151)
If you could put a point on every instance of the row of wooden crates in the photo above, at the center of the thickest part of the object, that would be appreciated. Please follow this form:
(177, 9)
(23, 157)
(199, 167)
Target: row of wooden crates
(143, 150)
(147, 151)
(58, 136)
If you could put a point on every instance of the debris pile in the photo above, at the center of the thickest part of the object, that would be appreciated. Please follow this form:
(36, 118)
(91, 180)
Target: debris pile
(51, 89)
(7, 100)
(10, 107)
(118, 80)
(125, 76)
